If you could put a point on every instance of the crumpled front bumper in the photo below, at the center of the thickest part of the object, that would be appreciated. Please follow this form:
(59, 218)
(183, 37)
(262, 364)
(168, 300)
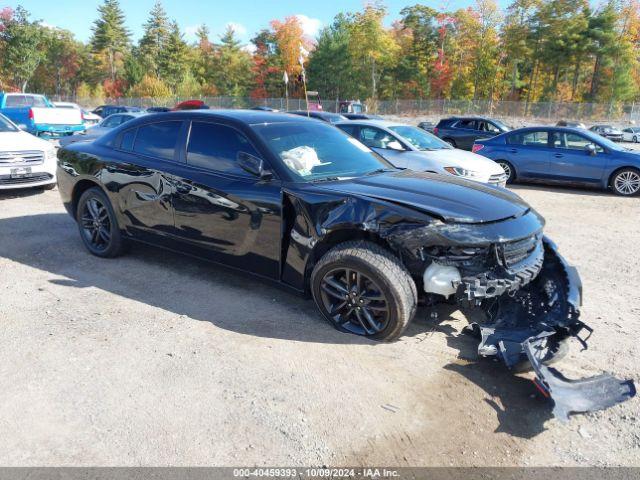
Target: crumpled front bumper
(528, 324)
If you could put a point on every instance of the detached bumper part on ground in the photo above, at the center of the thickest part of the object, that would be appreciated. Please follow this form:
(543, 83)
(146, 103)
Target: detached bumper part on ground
(532, 324)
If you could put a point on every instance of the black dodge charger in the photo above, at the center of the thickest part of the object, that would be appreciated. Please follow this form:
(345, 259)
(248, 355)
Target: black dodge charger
(299, 202)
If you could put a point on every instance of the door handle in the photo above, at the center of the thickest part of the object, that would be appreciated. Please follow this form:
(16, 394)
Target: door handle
(558, 155)
(513, 150)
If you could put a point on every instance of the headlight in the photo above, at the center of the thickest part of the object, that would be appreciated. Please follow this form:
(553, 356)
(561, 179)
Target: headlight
(462, 172)
(50, 154)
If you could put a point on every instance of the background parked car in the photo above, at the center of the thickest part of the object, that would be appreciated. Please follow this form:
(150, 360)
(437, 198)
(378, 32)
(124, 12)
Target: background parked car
(461, 132)
(36, 115)
(571, 124)
(608, 131)
(158, 109)
(262, 108)
(564, 155)
(631, 134)
(320, 115)
(406, 146)
(427, 126)
(109, 123)
(191, 105)
(25, 161)
(89, 119)
(105, 110)
(361, 116)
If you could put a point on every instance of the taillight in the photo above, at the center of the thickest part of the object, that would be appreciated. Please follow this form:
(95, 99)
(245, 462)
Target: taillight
(31, 114)
(476, 147)
(435, 130)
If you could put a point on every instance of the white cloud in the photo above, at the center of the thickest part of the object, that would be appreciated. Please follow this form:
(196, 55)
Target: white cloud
(249, 48)
(240, 29)
(310, 26)
(47, 25)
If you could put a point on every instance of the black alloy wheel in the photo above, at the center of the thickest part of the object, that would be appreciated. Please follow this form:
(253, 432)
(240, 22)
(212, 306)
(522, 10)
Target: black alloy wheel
(97, 224)
(354, 301)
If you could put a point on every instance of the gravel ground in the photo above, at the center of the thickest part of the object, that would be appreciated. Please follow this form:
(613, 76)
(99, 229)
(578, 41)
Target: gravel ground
(157, 359)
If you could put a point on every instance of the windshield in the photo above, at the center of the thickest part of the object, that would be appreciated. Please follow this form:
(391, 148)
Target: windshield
(501, 125)
(6, 125)
(315, 151)
(419, 138)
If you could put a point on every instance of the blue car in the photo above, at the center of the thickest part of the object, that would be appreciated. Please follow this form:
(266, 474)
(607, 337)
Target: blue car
(564, 155)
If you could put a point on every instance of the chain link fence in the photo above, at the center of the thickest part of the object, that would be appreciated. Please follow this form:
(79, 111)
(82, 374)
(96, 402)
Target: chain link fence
(516, 111)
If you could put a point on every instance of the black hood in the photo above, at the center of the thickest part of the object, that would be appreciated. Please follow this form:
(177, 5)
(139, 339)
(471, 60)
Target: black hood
(450, 198)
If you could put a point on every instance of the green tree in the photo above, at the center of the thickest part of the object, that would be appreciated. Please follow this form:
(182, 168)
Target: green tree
(232, 66)
(330, 65)
(156, 36)
(22, 47)
(174, 59)
(110, 36)
(370, 45)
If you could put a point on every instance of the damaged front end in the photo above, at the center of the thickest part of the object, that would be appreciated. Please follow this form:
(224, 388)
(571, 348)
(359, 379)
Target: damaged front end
(532, 323)
(529, 295)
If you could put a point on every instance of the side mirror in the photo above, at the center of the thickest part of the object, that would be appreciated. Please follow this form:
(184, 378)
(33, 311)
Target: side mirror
(591, 149)
(253, 165)
(395, 145)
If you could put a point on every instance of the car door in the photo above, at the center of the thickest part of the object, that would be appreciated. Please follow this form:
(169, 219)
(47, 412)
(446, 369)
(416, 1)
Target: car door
(529, 152)
(143, 172)
(465, 132)
(385, 144)
(222, 211)
(572, 161)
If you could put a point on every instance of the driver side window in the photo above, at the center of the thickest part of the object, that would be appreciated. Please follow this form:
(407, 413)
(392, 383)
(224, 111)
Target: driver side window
(375, 138)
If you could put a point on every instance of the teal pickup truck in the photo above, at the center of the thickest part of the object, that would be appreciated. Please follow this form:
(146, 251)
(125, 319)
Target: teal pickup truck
(37, 115)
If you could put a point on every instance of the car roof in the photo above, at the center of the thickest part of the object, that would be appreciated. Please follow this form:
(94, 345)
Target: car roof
(247, 117)
(373, 123)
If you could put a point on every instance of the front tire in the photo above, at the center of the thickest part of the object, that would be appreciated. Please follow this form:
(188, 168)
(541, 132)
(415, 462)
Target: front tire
(508, 169)
(635, 139)
(97, 224)
(361, 288)
(626, 182)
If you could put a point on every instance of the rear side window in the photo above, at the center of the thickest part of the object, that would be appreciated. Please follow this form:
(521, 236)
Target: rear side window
(216, 147)
(469, 123)
(350, 129)
(535, 139)
(127, 138)
(157, 139)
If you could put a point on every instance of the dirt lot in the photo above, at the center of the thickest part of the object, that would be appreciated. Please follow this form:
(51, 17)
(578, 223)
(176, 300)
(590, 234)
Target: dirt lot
(156, 359)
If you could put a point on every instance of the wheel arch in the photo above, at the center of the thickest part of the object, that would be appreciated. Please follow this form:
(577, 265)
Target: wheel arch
(79, 188)
(336, 237)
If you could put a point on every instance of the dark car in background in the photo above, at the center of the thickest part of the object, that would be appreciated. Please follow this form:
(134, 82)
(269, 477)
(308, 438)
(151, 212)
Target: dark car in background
(427, 126)
(105, 110)
(104, 126)
(564, 155)
(461, 132)
(361, 116)
(608, 131)
(320, 115)
(158, 109)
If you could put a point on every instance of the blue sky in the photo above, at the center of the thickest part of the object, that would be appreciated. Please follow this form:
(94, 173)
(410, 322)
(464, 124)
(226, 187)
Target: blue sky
(247, 15)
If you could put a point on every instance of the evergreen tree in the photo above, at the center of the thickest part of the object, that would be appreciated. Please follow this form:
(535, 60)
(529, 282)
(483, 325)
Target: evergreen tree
(173, 60)
(110, 35)
(155, 38)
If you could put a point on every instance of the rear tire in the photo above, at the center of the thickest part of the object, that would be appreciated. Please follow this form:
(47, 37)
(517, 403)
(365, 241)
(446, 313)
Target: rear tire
(451, 142)
(98, 225)
(635, 139)
(508, 169)
(361, 288)
(626, 182)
